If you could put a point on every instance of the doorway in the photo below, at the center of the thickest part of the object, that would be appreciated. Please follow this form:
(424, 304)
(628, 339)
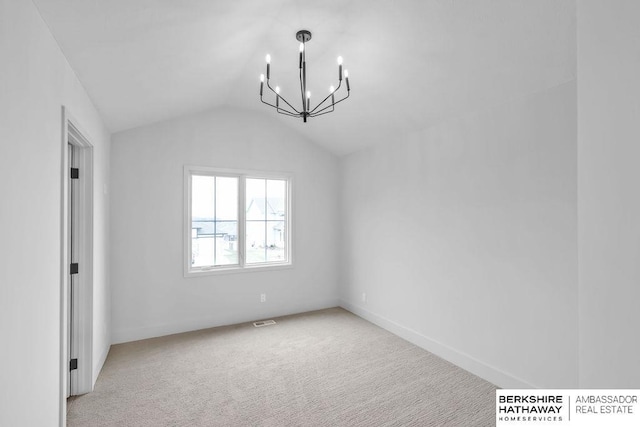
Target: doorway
(76, 331)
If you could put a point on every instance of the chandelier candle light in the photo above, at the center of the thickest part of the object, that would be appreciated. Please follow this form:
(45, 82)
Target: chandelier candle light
(326, 106)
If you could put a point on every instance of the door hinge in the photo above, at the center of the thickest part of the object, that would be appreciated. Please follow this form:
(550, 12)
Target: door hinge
(75, 173)
(73, 364)
(73, 268)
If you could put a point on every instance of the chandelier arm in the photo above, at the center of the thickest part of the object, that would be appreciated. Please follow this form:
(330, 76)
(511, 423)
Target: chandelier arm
(287, 113)
(269, 104)
(340, 100)
(280, 109)
(322, 114)
(320, 105)
(295, 112)
(282, 98)
(324, 100)
(332, 105)
(323, 111)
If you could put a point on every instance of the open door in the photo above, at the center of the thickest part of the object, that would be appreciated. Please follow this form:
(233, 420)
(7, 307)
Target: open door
(76, 331)
(73, 284)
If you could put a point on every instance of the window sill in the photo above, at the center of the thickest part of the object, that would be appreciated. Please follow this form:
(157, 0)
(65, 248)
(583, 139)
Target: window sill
(235, 270)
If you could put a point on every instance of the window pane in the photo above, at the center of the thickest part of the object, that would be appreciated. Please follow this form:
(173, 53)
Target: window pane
(255, 247)
(276, 241)
(202, 196)
(214, 221)
(226, 242)
(276, 190)
(277, 220)
(202, 248)
(256, 199)
(266, 220)
(202, 213)
(226, 198)
(226, 220)
(256, 216)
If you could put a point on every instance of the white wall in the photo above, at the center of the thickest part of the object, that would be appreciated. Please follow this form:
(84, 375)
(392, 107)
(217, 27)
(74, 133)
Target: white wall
(150, 295)
(609, 192)
(463, 238)
(35, 81)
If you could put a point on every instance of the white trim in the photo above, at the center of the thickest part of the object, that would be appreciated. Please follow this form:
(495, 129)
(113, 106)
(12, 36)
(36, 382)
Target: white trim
(213, 320)
(64, 262)
(84, 322)
(72, 133)
(458, 358)
(101, 359)
(242, 175)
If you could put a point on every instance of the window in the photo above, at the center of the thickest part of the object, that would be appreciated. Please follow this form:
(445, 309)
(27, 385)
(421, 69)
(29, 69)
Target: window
(236, 220)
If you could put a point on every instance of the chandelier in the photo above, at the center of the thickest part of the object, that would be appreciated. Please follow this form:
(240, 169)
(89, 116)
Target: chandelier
(283, 106)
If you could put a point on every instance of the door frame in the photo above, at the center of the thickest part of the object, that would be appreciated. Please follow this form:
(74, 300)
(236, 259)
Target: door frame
(83, 315)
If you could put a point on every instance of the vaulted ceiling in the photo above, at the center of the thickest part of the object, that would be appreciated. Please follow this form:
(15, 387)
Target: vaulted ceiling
(412, 63)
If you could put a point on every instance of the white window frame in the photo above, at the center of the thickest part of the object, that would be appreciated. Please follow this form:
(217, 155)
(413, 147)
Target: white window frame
(242, 175)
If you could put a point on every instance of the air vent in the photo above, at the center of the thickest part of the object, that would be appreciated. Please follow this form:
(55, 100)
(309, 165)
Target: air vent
(262, 323)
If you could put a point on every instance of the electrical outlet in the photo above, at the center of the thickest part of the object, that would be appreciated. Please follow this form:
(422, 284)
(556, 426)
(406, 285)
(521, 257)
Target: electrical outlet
(364, 297)
(263, 297)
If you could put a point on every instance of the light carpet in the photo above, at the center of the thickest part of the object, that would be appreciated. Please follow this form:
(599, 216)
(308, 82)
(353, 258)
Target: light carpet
(323, 368)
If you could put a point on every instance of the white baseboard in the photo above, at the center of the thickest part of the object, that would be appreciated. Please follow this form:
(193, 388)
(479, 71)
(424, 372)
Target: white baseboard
(466, 362)
(98, 366)
(140, 333)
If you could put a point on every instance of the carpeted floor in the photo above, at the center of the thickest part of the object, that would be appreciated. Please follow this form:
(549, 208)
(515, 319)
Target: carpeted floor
(323, 368)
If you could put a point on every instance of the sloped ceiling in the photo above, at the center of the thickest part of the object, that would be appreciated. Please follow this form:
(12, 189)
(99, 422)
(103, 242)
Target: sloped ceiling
(412, 63)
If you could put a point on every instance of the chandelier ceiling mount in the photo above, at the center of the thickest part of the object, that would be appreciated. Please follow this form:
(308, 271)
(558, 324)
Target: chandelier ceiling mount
(303, 36)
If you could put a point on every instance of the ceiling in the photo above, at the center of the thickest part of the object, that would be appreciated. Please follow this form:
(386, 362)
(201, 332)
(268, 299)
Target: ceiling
(412, 63)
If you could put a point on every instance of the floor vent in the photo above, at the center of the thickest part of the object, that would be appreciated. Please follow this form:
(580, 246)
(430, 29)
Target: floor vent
(262, 323)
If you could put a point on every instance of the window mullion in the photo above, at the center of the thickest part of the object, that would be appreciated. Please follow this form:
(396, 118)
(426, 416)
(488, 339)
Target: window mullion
(242, 239)
(287, 222)
(215, 221)
(188, 232)
(266, 215)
